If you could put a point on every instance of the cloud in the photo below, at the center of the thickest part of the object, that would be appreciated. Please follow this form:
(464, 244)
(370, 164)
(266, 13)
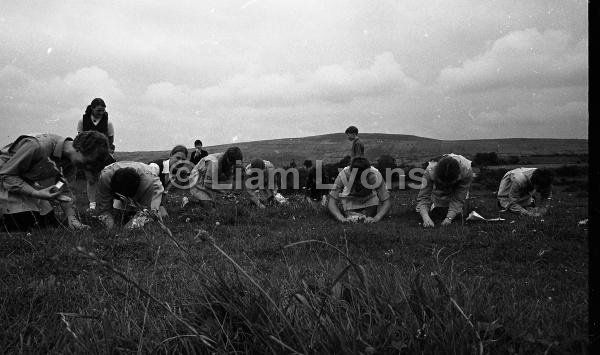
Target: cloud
(525, 58)
(536, 113)
(56, 101)
(330, 83)
(81, 85)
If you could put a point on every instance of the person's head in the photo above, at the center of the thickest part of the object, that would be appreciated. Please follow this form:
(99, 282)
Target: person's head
(352, 132)
(178, 153)
(542, 179)
(91, 150)
(307, 163)
(447, 172)
(125, 181)
(97, 108)
(359, 164)
(228, 161)
(198, 145)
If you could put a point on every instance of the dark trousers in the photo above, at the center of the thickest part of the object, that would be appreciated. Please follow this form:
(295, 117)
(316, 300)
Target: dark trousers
(24, 221)
(439, 213)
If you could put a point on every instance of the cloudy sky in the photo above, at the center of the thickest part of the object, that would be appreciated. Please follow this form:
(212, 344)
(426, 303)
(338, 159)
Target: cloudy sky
(227, 70)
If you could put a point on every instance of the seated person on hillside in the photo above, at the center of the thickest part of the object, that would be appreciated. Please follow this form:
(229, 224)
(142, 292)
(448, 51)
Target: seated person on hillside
(213, 175)
(260, 182)
(363, 196)
(169, 169)
(137, 183)
(518, 187)
(198, 153)
(33, 173)
(444, 188)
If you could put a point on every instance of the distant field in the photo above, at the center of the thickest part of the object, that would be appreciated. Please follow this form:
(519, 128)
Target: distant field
(405, 148)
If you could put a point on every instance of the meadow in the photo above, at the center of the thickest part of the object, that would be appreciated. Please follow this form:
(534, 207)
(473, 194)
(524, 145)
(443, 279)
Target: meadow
(290, 279)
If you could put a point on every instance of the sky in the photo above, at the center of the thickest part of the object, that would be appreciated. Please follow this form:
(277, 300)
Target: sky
(229, 71)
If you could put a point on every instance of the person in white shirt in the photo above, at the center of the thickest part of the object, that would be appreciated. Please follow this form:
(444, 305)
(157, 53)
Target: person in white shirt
(364, 197)
(444, 189)
(518, 188)
(134, 181)
(214, 175)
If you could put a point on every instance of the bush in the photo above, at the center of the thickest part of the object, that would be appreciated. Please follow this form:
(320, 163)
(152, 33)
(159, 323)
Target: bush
(490, 178)
(486, 159)
(571, 171)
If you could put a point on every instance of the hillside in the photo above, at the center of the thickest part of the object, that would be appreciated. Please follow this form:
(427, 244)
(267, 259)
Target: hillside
(333, 147)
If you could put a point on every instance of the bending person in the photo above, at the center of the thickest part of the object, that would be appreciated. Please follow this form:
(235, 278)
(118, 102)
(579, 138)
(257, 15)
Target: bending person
(260, 182)
(137, 183)
(362, 192)
(444, 188)
(32, 165)
(518, 187)
(213, 175)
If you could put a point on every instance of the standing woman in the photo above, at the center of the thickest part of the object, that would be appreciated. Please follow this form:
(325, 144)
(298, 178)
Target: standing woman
(95, 118)
(32, 176)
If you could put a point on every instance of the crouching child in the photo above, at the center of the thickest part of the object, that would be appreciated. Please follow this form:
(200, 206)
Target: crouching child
(362, 192)
(444, 189)
(518, 188)
(137, 190)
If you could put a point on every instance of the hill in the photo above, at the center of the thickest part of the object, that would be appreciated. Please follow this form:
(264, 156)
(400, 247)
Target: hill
(407, 148)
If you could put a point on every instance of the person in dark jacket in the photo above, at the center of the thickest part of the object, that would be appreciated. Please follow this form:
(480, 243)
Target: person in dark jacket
(168, 169)
(198, 153)
(358, 148)
(95, 118)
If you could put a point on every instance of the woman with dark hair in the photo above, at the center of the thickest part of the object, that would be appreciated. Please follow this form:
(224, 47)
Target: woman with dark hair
(213, 175)
(95, 118)
(167, 169)
(362, 192)
(136, 182)
(444, 188)
(33, 176)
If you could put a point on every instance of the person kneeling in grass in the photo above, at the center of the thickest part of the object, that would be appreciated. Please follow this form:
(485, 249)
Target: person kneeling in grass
(518, 187)
(362, 192)
(167, 169)
(135, 187)
(260, 182)
(213, 175)
(33, 171)
(444, 188)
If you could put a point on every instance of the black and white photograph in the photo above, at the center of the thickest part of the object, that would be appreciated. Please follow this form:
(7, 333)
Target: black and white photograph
(295, 177)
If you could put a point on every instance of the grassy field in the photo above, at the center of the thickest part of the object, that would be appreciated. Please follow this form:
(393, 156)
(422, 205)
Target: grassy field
(290, 279)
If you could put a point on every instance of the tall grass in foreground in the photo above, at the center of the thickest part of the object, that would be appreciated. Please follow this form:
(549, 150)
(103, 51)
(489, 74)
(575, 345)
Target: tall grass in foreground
(343, 308)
